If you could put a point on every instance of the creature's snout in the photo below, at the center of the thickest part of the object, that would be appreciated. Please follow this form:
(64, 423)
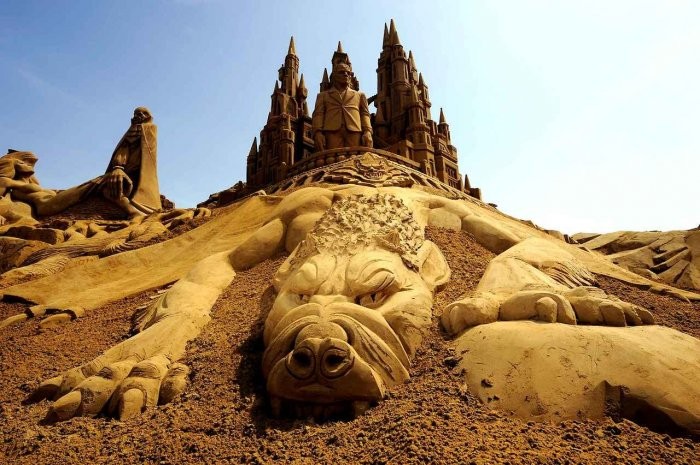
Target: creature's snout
(325, 359)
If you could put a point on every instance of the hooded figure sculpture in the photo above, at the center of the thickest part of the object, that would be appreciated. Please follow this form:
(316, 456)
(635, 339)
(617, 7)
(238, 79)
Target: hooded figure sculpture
(131, 179)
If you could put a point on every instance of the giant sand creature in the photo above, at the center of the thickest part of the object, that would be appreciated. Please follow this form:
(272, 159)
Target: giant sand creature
(355, 294)
(356, 290)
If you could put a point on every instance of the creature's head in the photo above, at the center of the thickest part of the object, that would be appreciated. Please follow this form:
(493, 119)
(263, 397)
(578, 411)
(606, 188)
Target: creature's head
(352, 300)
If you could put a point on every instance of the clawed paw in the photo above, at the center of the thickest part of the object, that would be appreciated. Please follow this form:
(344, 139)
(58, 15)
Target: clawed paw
(586, 305)
(123, 389)
(51, 317)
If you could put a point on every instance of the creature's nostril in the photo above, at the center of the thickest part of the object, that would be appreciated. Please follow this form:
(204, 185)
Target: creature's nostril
(300, 363)
(336, 362)
(302, 358)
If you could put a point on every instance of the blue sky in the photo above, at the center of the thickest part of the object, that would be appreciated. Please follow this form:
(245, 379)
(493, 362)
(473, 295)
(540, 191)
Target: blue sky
(581, 116)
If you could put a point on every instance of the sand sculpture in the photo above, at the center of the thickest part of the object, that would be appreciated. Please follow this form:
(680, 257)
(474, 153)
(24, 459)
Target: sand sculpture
(44, 231)
(354, 294)
(341, 114)
(131, 179)
(672, 257)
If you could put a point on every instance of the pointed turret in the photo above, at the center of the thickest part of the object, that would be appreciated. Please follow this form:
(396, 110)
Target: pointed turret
(393, 35)
(302, 85)
(421, 83)
(277, 87)
(340, 48)
(325, 82)
(252, 161)
(444, 128)
(292, 49)
(412, 71)
(385, 39)
(253, 149)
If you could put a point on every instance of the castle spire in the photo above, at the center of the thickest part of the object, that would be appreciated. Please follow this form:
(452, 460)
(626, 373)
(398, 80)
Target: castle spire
(340, 48)
(411, 61)
(325, 82)
(385, 39)
(420, 80)
(292, 49)
(393, 34)
(442, 117)
(253, 149)
(302, 84)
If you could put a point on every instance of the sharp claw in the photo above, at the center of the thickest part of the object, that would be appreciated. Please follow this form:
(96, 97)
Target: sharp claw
(613, 314)
(46, 390)
(55, 320)
(131, 404)
(64, 408)
(13, 320)
(174, 383)
(646, 316)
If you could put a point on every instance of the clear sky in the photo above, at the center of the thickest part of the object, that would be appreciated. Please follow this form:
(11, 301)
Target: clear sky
(581, 116)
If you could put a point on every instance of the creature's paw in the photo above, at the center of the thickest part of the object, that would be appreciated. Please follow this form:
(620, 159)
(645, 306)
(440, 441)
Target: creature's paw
(50, 316)
(587, 305)
(595, 307)
(470, 311)
(123, 388)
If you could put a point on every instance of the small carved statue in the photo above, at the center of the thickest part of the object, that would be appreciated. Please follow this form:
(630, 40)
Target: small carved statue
(131, 179)
(341, 116)
(20, 191)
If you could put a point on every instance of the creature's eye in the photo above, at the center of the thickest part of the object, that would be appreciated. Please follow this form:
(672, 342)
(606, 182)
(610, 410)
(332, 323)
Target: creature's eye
(371, 300)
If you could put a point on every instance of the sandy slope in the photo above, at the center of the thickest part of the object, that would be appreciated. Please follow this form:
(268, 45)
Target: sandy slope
(222, 417)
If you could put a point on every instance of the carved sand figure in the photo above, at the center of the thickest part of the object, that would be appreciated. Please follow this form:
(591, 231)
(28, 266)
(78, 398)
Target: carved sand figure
(20, 190)
(349, 313)
(341, 115)
(131, 179)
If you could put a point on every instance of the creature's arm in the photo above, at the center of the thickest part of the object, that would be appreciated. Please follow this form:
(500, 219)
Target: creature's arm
(141, 371)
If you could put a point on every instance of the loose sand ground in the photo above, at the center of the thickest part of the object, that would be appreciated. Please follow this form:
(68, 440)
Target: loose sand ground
(222, 416)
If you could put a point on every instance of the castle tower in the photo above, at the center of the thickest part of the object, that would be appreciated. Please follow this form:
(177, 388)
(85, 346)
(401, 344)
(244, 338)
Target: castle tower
(403, 123)
(446, 155)
(286, 137)
(418, 133)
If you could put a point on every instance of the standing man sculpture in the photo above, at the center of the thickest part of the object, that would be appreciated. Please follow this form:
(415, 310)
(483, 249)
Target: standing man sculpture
(341, 114)
(131, 179)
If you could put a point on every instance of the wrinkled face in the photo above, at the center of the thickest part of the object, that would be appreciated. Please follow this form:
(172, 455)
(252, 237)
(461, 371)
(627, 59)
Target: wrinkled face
(341, 77)
(342, 329)
(23, 168)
